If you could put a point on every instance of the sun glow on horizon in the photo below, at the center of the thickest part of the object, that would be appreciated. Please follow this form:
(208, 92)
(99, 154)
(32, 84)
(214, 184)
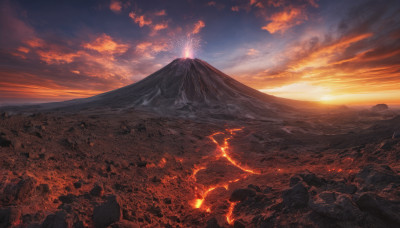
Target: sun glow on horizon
(308, 92)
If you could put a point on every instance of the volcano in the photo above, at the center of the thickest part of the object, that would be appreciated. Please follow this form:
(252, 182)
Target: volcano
(191, 88)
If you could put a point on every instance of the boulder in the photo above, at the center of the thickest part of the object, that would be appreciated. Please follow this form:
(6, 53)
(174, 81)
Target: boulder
(67, 199)
(8, 216)
(4, 141)
(124, 224)
(310, 178)
(296, 197)
(20, 189)
(380, 108)
(396, 135)
(241, 194)
(56, 220)
(335, 206)
(238, 224)
(107, 213)
(212, 223)
(373, 177)
(96, 191)
(377, 206)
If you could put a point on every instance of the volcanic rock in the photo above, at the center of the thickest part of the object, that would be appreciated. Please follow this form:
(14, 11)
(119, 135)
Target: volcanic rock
(43, 189)
(296, 197)
(107, 213)
(67, 199)
(238, 224)
(19, 190)
(56, 220)
(255, 187)
(387, 144)
(380, 107)
(212, 223)
(155, 210)
(96, 191)
(78, 224)
(241, 194)
(124, 224)
(376, 177)
(335, 206)
(386, 209)
(396, 135)
(4, 140)
(8, 216)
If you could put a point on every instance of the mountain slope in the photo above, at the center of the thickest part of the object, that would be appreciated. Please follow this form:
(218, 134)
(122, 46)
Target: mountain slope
(188, 87)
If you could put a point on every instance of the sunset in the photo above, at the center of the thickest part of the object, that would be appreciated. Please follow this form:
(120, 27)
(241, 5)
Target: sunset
(199, 113)
(54, 51)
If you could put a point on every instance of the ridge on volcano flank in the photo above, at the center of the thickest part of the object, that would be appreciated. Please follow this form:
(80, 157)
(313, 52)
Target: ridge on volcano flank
(190, 87)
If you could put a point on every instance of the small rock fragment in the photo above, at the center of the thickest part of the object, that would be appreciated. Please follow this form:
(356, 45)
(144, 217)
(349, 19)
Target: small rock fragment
(96, 191)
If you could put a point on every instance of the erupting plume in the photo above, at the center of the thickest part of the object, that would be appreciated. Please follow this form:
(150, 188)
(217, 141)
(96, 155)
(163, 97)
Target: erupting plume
(188, 49)
(223, 153)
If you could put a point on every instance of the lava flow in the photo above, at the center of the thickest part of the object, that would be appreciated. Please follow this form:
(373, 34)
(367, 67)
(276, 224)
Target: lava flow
(223, 150)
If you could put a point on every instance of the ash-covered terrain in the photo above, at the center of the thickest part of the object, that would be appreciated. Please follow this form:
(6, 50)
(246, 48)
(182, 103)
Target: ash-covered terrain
(190, 147)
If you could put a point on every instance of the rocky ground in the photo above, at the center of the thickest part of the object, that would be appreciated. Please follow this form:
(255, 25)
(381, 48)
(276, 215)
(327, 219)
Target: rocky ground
(132, 169)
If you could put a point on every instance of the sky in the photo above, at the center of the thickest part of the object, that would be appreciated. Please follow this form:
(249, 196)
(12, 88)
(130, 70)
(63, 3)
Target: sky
(336, 52)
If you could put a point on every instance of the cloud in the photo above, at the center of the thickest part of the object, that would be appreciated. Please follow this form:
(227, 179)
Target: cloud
(197, 27)
(106, 45)
(282, 21)
(35, 42)
(141, 20)
(235, 8)
(160, 13)
(13, 29)
(359, 56)
(148, 49)
(116, 6)
(252, 51)
(23, 49)
(56, 57)
(160, 26)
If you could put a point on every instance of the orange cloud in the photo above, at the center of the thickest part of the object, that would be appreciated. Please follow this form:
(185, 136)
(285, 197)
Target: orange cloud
(161, 13)
(252, 51)
(235, 8)
(56, 57)
(115, 6)
(106, 45)
(143, 46)
(282, 21)
(160, 26)
(35, 43)
(140, 19)
(23, 49)
(149, 49)
(197, 27)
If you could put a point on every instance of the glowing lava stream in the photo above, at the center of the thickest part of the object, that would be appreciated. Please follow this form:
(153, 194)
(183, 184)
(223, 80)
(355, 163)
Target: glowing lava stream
(229, 218)
(223, 149)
